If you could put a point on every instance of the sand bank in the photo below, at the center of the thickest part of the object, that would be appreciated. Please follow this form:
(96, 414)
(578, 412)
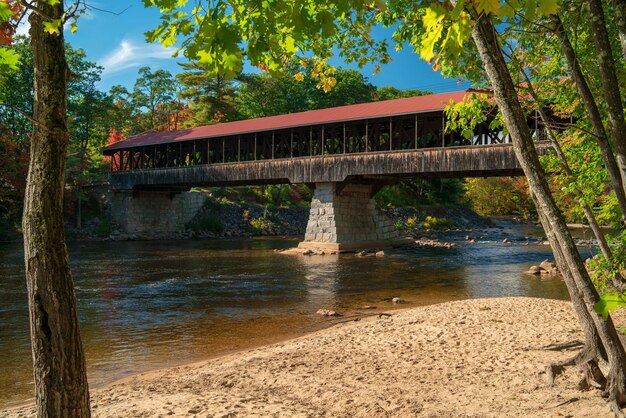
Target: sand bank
(472, 358)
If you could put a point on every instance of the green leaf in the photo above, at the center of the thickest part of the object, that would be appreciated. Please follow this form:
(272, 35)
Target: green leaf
(608, 303)
(506, 10)
(548, 7)
(9, 58)
(5, 12)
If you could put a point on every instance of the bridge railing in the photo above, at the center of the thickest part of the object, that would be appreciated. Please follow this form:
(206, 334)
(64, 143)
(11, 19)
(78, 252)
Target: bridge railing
(397, 133)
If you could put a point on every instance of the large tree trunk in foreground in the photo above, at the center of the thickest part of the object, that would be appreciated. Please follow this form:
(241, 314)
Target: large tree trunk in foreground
(593, 349)
(617, 173)
(485, 38)
(58, 359)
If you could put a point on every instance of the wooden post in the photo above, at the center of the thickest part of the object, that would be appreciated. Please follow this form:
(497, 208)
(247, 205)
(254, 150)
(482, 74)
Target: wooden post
(291, 148)
(193, 159)
(390, 134)
(223, 149)
(142, 162)
(311, 142)
(180, 154)
(238, 147)
(416, 133)
(154, 154)
(344, 137)
(255, 157)
(272, 145)
(323, 141)
(443, 131)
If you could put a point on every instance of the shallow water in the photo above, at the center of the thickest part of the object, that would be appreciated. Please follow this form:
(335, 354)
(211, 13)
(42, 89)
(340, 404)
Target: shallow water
(146, 305)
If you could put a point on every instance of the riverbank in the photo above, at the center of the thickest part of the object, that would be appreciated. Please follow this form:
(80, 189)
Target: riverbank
(221, 218)
(477, 357)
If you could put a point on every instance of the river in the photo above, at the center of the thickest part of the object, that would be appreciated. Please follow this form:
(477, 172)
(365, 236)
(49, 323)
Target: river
(152, 304)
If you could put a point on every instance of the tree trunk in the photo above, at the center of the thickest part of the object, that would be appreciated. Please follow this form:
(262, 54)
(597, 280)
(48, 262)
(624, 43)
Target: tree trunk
(593, 349)
(619, 7)
(610, 85)
(616, 173)
(79, 209)
(618, 280)
(485, 38)
(58, 360)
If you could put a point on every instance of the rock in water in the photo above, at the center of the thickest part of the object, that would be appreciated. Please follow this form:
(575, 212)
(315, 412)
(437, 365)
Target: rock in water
(327, 312)
(534, 270)
(549, 266)
(398, 301)
(380, 254)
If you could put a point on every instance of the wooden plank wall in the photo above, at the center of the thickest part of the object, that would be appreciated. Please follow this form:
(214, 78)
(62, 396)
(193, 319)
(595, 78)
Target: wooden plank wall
(468, 161)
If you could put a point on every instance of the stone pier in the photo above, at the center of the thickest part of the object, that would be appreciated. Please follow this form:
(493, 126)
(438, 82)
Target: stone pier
(154, 213)
(344, 217)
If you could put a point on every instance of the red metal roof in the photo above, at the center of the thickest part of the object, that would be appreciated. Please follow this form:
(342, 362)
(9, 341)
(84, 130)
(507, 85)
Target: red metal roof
(418, 104)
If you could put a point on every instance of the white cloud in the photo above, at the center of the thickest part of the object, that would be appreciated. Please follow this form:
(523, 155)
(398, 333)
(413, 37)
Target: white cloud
(131, 55)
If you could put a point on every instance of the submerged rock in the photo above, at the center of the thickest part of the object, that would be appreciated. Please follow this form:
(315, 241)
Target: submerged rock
(398, 301)
(327, 312)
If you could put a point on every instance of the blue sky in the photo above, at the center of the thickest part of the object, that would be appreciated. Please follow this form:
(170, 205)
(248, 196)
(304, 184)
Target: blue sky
(117, 43)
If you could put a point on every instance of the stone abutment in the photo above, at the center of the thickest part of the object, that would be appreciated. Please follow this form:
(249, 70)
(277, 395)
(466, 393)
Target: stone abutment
(344, 217)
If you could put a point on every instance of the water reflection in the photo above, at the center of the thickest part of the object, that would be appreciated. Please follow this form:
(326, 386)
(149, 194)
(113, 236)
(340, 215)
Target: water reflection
(144, 305)
(321, 274)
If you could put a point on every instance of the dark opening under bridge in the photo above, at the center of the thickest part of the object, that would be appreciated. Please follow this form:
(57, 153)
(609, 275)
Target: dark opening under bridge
(345, 153)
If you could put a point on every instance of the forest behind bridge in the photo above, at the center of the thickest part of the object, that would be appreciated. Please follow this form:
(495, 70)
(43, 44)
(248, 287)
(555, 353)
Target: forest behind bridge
(161, 101)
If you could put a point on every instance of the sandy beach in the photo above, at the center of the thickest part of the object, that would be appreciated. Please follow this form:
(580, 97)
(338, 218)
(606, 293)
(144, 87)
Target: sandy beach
(471, 358)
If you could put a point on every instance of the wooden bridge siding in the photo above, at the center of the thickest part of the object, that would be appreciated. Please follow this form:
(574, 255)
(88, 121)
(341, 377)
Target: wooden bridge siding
(470, 161)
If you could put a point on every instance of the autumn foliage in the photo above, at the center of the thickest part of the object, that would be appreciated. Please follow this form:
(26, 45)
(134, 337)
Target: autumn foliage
(7, 28)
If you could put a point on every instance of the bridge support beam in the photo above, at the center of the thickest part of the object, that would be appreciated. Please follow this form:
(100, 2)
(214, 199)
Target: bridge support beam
(344, 217)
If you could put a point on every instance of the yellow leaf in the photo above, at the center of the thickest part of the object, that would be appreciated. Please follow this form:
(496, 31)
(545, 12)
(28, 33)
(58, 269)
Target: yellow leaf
(52, 27)
(433, 23)
(487, 6)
